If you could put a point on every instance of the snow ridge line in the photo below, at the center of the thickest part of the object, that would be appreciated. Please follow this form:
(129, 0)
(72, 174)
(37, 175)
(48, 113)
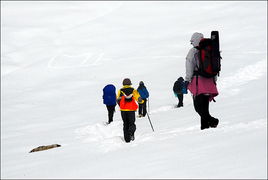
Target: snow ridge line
(244, 75)
(110, 138)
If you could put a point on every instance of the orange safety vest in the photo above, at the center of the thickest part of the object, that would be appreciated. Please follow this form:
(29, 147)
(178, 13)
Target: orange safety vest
(128, 106)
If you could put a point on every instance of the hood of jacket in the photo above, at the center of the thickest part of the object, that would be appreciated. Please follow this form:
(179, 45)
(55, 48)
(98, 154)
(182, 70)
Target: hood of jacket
(195, 39)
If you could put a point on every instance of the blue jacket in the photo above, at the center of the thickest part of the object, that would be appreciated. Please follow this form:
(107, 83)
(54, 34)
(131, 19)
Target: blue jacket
(143, 92)
(109, 95)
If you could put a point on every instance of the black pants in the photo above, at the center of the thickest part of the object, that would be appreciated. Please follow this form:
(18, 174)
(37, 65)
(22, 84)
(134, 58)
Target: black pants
(180, 98)
(143, 108)
(129, 126)
(111, 110)
(201, 105)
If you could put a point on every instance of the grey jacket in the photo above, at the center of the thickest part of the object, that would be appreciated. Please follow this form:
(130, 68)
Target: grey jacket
(192, 56)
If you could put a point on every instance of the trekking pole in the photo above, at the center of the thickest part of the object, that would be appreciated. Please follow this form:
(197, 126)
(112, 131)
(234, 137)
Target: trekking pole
(150, 121)
(148, 106)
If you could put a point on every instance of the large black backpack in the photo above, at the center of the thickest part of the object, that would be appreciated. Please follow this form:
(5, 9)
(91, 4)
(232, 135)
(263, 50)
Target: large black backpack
(209, 56)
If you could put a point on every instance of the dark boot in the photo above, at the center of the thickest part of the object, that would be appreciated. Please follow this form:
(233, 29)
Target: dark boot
(127, 137)
(213, 122)
(204, 124)
(204, 127)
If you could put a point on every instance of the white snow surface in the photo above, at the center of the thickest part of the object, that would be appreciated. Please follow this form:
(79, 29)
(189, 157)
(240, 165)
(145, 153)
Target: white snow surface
(56, 57)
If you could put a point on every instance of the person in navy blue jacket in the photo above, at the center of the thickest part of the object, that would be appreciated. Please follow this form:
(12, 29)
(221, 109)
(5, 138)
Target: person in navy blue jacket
(109, 99)
(144, 95)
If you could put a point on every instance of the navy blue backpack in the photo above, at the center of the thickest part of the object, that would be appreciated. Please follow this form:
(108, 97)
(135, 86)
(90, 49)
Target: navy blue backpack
(143, 92)
(109, 95)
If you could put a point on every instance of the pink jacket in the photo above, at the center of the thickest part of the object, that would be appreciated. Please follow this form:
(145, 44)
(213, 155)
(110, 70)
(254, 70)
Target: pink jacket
(205, 86)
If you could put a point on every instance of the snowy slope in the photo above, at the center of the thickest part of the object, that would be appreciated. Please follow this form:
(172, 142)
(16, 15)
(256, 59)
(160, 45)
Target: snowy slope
(57, 56)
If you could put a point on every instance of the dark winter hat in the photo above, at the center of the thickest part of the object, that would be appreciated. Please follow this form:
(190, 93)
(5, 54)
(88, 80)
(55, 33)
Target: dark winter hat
(126, 81)
(141, 83)
(180, 79)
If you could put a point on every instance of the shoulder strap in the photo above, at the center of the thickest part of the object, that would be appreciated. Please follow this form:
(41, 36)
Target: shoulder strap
(129, 96)
(197, 59)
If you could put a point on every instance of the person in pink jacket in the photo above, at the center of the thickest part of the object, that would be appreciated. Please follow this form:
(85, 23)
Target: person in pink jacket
(203, 89)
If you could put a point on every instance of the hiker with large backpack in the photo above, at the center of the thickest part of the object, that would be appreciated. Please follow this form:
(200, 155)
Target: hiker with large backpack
(127, 99)
(202, 68)
(109, 99)
(144, 95)
(179, 89)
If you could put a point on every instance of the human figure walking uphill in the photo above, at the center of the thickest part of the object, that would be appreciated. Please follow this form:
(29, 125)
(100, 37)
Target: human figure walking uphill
(126, 98)
(178, 89)
(144, 95)
(109, 99)
(200, 84)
